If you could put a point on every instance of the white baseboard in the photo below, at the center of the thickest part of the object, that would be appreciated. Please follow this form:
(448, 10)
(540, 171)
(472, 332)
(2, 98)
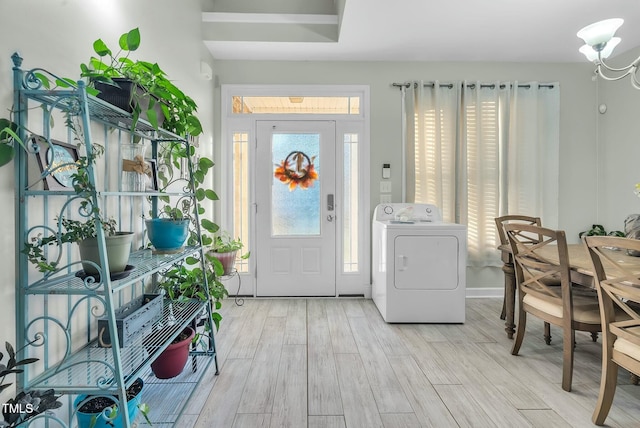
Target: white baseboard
(471, 293)
(474, 293)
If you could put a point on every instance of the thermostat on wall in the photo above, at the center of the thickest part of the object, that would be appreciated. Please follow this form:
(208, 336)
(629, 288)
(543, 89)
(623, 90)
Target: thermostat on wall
(386, 170)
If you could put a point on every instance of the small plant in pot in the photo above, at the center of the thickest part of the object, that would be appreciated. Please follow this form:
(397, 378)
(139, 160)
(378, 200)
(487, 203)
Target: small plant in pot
(101, 411)
(84, 232)
(171, 362)
(148, 90)
(168, 233)
(225, 250)
(169, 230)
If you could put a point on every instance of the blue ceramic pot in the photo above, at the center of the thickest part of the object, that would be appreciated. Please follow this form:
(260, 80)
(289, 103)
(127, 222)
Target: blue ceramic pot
(166, 234)
(101, 420)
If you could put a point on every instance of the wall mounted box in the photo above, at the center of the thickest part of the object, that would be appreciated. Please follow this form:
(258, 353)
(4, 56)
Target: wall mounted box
(132, 319)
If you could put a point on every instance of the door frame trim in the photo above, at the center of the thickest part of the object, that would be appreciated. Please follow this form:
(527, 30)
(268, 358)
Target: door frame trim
(346, 284)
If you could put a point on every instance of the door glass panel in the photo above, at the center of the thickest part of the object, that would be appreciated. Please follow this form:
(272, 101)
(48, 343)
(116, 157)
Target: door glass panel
(350, 207)
(241, 196)
(295, 190)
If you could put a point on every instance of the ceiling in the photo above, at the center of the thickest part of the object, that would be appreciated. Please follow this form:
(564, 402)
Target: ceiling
(410, 30)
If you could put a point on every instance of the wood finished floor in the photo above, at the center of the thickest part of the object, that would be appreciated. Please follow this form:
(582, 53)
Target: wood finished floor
(334, 363)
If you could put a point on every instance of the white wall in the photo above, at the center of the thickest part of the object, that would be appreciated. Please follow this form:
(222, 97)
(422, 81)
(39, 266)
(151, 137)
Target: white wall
(577, 126)
(619, 148)
(58, 35)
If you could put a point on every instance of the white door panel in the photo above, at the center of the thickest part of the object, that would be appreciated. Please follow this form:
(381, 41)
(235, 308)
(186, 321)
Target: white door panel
(295, 184)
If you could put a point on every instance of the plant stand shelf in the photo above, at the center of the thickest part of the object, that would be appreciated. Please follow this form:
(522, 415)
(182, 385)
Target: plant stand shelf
(91, 369)
(145, 263)
(59, 313)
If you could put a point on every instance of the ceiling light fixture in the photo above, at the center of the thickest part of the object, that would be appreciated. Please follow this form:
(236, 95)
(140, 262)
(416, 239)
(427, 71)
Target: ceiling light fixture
(599, 44)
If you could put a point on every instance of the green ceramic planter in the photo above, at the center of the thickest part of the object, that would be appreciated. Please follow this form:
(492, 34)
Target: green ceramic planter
(118, 250)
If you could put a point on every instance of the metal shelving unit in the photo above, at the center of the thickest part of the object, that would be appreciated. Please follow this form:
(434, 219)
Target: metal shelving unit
(56, 312)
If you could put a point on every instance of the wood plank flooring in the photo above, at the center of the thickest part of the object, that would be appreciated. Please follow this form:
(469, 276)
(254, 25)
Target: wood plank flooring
(335, 363)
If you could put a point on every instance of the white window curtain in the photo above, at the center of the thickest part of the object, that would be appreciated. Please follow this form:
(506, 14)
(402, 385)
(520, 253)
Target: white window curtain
(482, 150)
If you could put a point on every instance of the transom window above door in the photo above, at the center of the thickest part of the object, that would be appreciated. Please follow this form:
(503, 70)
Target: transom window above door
(296, 105)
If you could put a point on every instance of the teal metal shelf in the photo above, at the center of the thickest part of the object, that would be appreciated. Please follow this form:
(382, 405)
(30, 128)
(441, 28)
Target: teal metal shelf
(92, 370)
(99, 111)
(57, 314)
(144, 263)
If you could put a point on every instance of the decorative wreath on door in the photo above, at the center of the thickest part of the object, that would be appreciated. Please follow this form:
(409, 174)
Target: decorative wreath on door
(296, 170)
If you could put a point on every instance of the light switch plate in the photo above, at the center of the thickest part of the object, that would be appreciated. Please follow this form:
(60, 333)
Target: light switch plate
(385, 198)
(385, 187)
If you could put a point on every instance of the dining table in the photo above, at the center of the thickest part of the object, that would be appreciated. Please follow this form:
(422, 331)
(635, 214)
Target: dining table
(581, 272)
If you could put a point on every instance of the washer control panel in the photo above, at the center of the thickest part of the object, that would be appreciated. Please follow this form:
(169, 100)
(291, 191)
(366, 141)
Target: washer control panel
(407, 213)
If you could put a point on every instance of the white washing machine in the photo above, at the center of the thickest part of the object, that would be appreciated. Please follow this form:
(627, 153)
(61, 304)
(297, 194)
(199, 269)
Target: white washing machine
(419, 265)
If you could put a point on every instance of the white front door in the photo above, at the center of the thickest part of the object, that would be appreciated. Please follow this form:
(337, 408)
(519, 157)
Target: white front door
(296, 208)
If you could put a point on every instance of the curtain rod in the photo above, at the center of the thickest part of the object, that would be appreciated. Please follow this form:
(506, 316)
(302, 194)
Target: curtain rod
(470, 85)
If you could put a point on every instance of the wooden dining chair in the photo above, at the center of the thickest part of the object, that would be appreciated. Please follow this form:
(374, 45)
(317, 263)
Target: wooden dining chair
(618, 290)
(509, 299)
(558, 305)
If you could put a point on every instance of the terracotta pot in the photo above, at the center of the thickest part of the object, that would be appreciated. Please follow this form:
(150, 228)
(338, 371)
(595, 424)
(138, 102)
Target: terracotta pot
(228, 260)
(172, 360)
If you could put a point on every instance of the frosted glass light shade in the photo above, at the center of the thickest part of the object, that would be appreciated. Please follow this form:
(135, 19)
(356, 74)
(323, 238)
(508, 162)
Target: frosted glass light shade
(592, 54)
(600, 32)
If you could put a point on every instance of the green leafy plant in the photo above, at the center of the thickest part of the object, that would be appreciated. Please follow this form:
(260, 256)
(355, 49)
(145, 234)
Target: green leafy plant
(179, 109)
(187, 282)
(69, 230)
(26, 404)
(8, 139)
(224, 243)
(173, 160)
(598, 230)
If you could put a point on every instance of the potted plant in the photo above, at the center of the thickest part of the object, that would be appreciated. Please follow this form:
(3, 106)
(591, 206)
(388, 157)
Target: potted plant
(182, 283)
(83, 232)
(172, 360)
(187, 282)
(26, 405)
(101, 411)
(146, 86)
(169, 230)
(167, 234)
(225, 249)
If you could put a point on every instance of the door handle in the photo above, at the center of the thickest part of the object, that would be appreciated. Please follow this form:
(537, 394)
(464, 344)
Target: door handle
(402, 262)
(330, 217)
(330, 202)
